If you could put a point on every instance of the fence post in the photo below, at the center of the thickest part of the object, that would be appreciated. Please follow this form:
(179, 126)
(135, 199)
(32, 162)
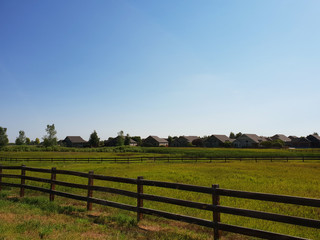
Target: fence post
(139, 199)
(52, 184)
(23, 180)
(90, 191)
(216, 214)
(0, 176)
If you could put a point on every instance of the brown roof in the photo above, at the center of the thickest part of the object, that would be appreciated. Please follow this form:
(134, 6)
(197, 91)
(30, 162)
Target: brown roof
(75, 139)
(316, 136)
(281, 137)
(191, 138)
(255, 138)
(222, 138)
(159, 140)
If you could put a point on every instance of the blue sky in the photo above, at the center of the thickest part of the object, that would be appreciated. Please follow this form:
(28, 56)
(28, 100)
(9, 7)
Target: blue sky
(159, 67)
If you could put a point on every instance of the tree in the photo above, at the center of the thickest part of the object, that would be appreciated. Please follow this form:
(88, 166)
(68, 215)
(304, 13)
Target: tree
(127, 140)
(198, 142)
(37, 141)
(94, 139)
(120, 139)
(50, 139)
(169, 139)
(21, 140)
(232, 136)
(239, 134)
(315, 133)
(28, 141)
(3, 137)
(137, 139)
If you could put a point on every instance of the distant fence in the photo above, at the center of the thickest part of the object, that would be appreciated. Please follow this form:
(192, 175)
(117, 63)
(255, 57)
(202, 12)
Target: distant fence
(214, 191)
(121, 159)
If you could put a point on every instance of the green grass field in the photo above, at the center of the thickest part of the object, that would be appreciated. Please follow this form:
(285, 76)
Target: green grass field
(33, 151)
(293, 178)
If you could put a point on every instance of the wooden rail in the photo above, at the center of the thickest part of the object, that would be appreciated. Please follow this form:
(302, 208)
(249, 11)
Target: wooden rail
(140, 196)
(162, 159)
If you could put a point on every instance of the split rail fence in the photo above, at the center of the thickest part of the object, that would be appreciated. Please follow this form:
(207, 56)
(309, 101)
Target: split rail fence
(162, 159)
(140, 196)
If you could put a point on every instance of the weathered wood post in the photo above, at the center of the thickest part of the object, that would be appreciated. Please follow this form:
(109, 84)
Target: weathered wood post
(216, 214)
(52, 183)
(139, 199)
(23, 180)
(90, 191)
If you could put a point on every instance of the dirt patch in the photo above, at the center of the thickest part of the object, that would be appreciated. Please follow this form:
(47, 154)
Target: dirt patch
(151, 228)
(8, 217)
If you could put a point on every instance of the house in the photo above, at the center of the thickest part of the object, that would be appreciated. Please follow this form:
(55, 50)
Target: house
(183, 141)
(154, 141)
(301, 142)
(293, 137)
(315, 140)
(74, 141)
(283, 138)
(217, 141)
(133, 142)
(248, 141)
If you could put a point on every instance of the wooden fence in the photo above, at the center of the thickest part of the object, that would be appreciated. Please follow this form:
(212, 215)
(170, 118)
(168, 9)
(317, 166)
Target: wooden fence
(162, 159)
(140, 196)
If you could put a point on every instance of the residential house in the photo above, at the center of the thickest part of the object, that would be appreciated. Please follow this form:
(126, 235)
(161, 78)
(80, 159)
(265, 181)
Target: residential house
(301, 142)
(315, 140)
(217, 141)
(154, 141)
(133, 142)
(183, 141)
(281, 137)
(74, 141)
(248, 141)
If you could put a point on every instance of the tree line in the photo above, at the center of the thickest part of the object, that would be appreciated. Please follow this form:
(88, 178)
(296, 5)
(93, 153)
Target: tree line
(50, 139)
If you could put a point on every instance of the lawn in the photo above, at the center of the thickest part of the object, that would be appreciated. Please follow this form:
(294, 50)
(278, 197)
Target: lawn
(293, 178)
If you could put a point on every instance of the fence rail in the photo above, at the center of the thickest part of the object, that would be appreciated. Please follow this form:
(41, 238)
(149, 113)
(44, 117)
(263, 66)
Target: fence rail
(140, 196)
(160, 159)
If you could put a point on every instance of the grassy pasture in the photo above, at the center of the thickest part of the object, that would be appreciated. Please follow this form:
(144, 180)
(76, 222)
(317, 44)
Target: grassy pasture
(60, 152)
(293, 178)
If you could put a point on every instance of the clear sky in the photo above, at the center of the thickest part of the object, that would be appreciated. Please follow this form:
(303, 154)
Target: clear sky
(161, 68)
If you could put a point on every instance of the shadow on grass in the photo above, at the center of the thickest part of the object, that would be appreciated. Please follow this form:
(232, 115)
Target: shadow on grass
(42, 203)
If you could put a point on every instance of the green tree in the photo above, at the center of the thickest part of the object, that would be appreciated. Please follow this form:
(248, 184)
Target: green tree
(170, 139)
(120, 139)
(137, 139)
(37, 141)
(232, 136)
(3, 137)
(127, 140)
(239, 134)
(21, 140)
(50, 139)
(28, 141)
(94, 139)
